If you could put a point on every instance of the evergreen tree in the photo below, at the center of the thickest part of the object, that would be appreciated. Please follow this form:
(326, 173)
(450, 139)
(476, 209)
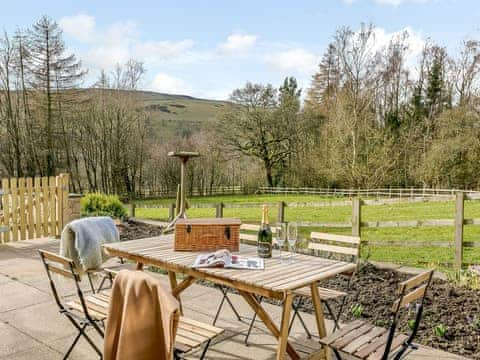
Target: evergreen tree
(53, 74)
(326, 80)
(434, 92)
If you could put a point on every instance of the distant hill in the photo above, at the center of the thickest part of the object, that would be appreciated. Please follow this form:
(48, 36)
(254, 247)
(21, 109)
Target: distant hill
(171, 115)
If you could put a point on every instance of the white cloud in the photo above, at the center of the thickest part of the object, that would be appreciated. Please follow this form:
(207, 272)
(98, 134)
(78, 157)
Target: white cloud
(296, 60)
(392, 2)
(237, 44)
(158, 51)
(169, 84)
(80, 27)
(119, 42)
(414, 42)
(400, 2)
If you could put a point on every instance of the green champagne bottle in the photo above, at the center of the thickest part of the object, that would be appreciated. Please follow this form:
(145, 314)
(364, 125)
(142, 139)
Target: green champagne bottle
(264, 244)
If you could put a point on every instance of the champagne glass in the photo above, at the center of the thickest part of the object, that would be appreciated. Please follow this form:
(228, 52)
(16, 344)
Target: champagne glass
(279, 233)
(292, 237)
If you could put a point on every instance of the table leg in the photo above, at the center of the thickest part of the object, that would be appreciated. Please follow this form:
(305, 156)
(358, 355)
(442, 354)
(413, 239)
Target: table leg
(172, 276)
(183, 285)
(280, 335)
(317, 305)
(283, 338)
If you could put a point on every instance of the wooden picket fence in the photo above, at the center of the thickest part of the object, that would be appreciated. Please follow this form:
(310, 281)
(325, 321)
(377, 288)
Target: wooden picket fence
(33, 207)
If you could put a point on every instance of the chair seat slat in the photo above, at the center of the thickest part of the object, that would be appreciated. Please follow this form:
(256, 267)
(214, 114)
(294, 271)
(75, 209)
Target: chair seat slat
(325, 293)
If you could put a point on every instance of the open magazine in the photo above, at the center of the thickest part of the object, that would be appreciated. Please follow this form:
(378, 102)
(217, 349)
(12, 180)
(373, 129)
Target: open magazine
(224, 258)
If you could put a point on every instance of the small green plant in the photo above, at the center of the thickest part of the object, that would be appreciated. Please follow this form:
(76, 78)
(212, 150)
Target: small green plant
(469, 278)
(476, 322)
(357, 310)
(440, 331)
(97, 204)
(380, 322)
(411, 324)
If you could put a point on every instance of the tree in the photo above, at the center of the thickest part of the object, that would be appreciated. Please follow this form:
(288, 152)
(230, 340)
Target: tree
(325, 81)
(453, 160)
(53, 74)
(250, 126)
(467, 69)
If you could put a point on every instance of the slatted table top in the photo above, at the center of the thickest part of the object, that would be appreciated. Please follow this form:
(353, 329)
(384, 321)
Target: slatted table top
(274, 281)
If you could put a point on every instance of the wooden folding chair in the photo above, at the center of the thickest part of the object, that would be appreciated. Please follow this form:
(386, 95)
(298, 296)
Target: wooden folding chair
(359, 340)
(105, 274)
(329, 245)
(83, 311)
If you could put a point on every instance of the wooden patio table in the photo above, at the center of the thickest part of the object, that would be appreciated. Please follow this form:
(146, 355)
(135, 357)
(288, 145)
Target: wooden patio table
(277, 281)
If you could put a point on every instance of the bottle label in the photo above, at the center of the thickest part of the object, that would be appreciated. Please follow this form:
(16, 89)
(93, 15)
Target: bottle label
(264, 249)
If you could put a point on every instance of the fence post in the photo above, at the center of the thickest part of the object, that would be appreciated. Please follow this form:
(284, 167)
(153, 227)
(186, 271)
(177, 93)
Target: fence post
(219, 210)
(356, 216)
(132, 209)
(459, 218)
(281, 212)
(171, 212)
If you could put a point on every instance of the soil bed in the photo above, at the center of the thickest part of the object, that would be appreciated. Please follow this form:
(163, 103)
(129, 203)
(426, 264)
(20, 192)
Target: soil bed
(131, 230)
(456, 308)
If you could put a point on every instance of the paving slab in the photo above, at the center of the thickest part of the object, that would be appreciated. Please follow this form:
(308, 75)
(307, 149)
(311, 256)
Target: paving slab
(13, 340)
(4, 279)
(82, 351)
(41, 321)
(39, 352)
(16, 295)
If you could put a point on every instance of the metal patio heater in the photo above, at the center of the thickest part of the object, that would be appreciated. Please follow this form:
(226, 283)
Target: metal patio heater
(183, 156)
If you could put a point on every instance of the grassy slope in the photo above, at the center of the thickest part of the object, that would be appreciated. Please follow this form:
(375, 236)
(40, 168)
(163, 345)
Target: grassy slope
(404, 211)
(170, 115)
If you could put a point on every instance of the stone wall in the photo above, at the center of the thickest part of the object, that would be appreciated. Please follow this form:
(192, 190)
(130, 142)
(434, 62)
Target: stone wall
(73, 210)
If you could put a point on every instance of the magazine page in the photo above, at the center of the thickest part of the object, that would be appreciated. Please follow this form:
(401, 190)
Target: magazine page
(220, 258)
(252, 263)
(223, 258)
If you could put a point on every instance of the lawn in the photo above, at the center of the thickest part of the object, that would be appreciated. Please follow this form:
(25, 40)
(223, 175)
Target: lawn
(408, 255)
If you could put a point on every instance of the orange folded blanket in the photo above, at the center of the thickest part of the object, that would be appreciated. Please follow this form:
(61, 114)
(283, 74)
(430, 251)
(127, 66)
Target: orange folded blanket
(142, 319)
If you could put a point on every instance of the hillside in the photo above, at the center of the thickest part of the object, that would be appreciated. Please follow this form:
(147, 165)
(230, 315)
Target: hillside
(177, 114)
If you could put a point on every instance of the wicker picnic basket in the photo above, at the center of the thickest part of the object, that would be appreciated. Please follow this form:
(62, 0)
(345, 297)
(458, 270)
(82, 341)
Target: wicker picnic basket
(207, 234)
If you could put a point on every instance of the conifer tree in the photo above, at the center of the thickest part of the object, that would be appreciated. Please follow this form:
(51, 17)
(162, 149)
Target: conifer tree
(53, 74)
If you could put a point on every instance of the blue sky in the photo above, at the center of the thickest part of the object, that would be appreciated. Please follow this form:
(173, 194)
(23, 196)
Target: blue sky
(207, 48)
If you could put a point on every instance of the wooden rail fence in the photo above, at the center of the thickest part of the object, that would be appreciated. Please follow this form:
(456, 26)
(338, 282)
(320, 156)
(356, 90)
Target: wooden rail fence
(32, 207)
(391, 192)
(169, 193)
(357, 224)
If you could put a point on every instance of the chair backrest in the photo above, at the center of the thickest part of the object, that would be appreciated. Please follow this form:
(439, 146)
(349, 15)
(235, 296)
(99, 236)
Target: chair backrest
(413, 290)
(66, 268)
(248, 233)
(341, 245)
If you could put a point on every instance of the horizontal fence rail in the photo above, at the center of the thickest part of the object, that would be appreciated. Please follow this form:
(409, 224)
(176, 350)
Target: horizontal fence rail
(170, 193)
(381, 192)
(357, 224)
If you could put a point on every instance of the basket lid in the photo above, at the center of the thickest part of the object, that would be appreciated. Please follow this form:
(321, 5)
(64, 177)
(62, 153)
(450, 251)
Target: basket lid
(209, 221)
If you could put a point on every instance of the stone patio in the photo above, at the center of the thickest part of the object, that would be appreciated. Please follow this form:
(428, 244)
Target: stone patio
(32, 328)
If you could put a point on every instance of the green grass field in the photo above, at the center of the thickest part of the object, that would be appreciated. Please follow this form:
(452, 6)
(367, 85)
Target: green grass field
(413, 255)
(177, 115)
